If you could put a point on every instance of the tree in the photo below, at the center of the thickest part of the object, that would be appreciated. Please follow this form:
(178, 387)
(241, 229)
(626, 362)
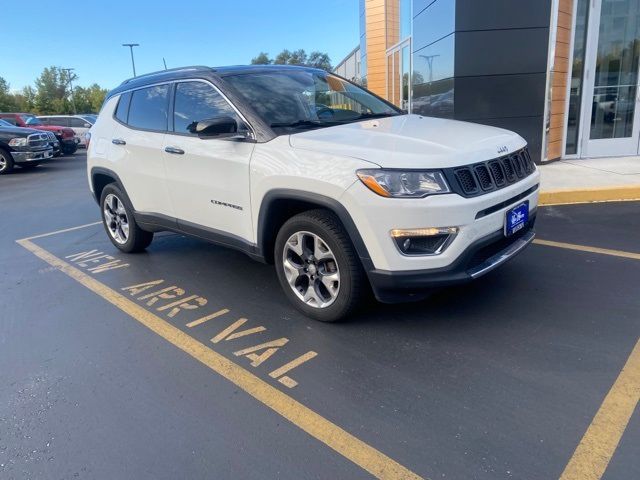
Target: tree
(283, 57)
(261, 59)
(52, 91)
(6, 99)
(90, 99)
(25, 101)
(52, 95)
(320, 60)
(297, 57)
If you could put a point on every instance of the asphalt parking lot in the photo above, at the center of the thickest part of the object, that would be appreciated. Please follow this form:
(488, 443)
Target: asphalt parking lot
(187, 361)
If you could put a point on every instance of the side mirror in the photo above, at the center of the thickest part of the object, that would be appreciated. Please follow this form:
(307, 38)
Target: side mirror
(87, 125)
(219, 127)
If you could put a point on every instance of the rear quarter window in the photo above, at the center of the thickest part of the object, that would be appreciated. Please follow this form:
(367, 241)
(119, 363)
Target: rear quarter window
(122, 110)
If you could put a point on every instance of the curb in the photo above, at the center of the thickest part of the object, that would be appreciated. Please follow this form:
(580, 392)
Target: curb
(588, 195)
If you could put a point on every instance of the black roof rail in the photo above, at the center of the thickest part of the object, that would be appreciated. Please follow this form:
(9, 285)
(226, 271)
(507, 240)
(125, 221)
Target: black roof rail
(160, 72)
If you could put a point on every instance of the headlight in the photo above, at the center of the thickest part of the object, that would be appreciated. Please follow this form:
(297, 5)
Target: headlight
(18, 142)
(404, 183)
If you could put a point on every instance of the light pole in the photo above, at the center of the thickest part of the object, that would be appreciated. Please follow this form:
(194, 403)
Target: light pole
(133, 63)
(73, 101)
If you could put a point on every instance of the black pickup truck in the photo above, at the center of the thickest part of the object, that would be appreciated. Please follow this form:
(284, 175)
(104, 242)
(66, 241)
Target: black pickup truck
(23, 147)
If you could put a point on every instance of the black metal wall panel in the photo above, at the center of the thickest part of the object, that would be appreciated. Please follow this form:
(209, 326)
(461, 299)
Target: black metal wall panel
(501, 52)
(502, 14)
(498, 96)
(528, 128)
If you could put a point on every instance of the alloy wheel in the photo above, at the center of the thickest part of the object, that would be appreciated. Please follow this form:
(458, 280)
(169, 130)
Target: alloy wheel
(311, 269)
(115, 218)
(3, 163)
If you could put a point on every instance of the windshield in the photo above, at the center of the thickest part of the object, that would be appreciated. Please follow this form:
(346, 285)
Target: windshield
(32, 121)
(301, 99)
(4, 123)
(89, 118)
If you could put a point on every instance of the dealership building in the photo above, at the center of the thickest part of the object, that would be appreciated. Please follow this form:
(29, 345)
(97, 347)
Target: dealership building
(561, 73)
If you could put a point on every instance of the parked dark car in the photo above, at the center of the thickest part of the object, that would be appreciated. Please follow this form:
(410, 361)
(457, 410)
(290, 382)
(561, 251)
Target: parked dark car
(64, 135)
(24, 147)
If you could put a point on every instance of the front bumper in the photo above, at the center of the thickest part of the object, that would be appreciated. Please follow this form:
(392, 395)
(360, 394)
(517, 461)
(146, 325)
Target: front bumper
(478, 259)
(32, 156)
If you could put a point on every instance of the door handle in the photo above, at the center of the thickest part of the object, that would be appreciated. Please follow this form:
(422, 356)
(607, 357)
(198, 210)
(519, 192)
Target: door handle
(118, 141)
(174, 150)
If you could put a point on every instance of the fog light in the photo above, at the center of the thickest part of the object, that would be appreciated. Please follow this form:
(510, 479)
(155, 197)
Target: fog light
(423, 241)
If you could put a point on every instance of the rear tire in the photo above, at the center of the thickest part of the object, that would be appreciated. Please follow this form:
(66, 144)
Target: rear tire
(6, 162)
(318, 267)
(119, 223)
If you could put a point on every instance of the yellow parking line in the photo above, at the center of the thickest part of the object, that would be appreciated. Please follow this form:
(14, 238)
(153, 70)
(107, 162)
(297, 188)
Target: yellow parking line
(585, 248)
(601, 439)
(347, 445)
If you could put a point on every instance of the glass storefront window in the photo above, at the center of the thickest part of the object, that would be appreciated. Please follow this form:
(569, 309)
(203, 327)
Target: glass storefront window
(577, 79)
(405, 19)
(432, 79)
(404, 103)
(616, 79)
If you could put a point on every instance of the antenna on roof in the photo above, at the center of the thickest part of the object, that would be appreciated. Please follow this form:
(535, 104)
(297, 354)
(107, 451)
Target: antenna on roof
(165, 63)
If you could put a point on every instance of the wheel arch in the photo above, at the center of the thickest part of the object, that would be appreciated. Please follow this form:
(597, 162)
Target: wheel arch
(281, 204)
(100, 178)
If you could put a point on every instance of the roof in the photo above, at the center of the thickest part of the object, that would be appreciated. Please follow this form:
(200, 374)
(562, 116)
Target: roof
(222, 71)
(199, 71)
(235, 69)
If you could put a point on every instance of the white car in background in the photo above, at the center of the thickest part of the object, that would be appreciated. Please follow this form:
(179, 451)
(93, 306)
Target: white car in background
(294, 166)
(80, 124)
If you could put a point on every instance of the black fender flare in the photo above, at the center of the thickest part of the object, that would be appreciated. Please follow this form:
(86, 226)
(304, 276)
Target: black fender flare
(321, 201)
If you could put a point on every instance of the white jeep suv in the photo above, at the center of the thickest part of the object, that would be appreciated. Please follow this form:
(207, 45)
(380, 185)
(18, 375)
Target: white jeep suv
(295, 166)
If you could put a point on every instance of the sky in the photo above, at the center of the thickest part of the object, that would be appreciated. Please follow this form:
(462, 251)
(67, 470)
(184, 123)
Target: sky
(87, 34)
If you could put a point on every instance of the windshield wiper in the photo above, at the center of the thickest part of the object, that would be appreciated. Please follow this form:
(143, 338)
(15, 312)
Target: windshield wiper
(376, 115)
(299, 124)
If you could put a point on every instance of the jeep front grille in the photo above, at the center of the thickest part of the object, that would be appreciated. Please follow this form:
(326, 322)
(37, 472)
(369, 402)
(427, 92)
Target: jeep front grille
(479, 178)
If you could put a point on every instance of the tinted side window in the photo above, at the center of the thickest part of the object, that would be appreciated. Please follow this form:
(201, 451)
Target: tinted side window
(122, 110)
(11, 120)
(149, 107)
(77, 122)
(59, 121)
(197, 101)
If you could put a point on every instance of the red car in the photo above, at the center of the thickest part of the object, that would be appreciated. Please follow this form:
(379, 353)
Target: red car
(65, 135)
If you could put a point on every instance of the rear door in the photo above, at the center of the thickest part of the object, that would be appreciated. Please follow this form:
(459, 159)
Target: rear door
(136, 147)
(80, 127)
(208, 179)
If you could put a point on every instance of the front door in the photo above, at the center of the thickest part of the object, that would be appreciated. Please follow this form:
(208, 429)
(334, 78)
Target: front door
(207, 179)
(611, 125)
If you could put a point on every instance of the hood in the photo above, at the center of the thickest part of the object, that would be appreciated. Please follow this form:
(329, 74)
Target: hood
(411, 141)
(18, 131)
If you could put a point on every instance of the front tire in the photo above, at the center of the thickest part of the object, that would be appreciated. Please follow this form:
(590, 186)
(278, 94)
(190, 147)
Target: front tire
(6, 162)
(119, 223)
(69, 150)
(318, 267)
(29, 166)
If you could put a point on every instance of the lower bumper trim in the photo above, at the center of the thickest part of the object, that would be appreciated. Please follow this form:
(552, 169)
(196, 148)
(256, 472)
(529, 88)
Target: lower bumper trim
(37, 156)
(479, 259)
(498, 259)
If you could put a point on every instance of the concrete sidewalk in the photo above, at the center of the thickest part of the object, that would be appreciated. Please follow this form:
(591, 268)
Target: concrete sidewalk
(590, 180)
